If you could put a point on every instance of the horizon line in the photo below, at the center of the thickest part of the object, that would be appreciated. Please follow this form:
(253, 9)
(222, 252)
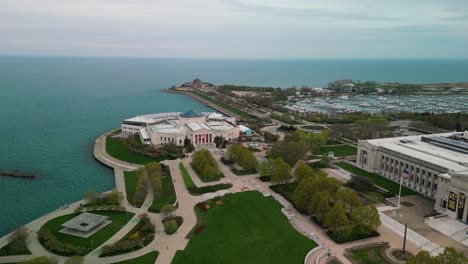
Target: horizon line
(220, 58)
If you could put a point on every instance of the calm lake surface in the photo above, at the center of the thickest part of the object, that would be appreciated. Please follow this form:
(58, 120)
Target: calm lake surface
(52, 109)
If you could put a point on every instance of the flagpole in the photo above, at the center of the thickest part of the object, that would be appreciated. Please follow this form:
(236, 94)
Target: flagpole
(399, 196)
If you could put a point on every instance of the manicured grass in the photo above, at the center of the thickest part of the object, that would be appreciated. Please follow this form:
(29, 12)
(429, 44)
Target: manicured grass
(194, 190)
(130, 187)
(12, 249)
(339, 150)
(377, 179)
(246, 228)
(118, 150)
(149, 258)
(187, 179)
(168, 196)
(371, 255)
(119, 219)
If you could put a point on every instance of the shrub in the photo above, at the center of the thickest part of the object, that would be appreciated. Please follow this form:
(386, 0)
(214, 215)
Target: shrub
(209, 188)
(51, 243)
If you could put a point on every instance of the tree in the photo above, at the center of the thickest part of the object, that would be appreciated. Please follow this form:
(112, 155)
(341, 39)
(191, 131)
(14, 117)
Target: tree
(336, 218)
(205, 164)
(289, 151)
(452, 256)
(361, 183)
(423, 257)
(167, 211)
(114, 197)
(189, 147)
(266, 168)
(319, 205)
(269, 137)
(219, 141)
(170, 226)
(449, 256)
(303, 171)
(366, 219)
(303, 193)
(75, 260)
(142, 185)
(235, 152)
(348, 199)
(91, 197)
(281, 171)
(154, 172)
(19, 238)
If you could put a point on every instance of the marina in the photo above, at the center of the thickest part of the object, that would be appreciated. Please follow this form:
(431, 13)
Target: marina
(381, 103)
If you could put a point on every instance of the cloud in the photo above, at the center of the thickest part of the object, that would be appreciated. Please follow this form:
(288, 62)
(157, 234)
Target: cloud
(235, 28)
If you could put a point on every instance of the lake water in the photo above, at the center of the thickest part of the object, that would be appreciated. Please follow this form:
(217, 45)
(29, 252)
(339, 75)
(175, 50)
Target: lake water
(52, 109)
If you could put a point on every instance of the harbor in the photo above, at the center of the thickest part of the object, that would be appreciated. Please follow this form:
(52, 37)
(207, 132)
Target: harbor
(380, 103)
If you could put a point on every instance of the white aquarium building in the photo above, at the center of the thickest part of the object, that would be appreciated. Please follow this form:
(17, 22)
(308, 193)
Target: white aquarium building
(165, 128)
(434, 165)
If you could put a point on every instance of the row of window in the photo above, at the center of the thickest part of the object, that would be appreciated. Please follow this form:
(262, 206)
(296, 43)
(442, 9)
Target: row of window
(168, 139)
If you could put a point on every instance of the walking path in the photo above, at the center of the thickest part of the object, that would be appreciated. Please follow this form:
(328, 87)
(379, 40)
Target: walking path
(168, 245)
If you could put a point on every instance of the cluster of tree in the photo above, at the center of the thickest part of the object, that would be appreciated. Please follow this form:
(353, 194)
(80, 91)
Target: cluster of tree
(276, 94)
(148, 178)
(448, 121)
(287, 128)
(295, 145)
(337, 207)
(242, 157)
(205, 165)
(93, 198)
(269, 137)
(134, 145)
(145, 235)
(220, 141)
(449, 256)
(51, 243)
(277, 169)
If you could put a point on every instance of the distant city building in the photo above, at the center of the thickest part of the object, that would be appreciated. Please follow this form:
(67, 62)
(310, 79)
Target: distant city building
(196, 84)
(433, 165)
(165, 128)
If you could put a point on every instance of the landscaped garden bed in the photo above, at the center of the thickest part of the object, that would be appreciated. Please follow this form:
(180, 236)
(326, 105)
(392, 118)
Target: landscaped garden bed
(140, 236)
(69, 245)
(193, 189)
(171, 224)
(368, 254)
(243, 228)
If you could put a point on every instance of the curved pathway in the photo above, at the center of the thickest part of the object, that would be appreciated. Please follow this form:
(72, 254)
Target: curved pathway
(168, 245)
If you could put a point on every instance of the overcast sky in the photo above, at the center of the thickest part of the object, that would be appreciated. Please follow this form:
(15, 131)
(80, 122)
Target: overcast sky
(236, 28)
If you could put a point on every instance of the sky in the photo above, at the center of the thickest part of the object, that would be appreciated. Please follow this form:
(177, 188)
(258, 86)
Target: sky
(272, 29)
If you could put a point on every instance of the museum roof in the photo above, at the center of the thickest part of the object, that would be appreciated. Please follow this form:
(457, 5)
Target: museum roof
(415, 147)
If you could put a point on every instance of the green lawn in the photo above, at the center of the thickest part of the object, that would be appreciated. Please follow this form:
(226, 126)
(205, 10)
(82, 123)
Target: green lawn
(169, 195)
(187, 179)
(247, 228)
(339, 150)
(119, 219)
(371, 255)
(377, 179)
(130, 186)
(149, 258)
(118, 150)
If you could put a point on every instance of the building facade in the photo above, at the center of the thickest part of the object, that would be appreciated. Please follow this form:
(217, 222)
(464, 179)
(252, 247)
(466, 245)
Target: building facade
(174, 128)
(434, 165)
